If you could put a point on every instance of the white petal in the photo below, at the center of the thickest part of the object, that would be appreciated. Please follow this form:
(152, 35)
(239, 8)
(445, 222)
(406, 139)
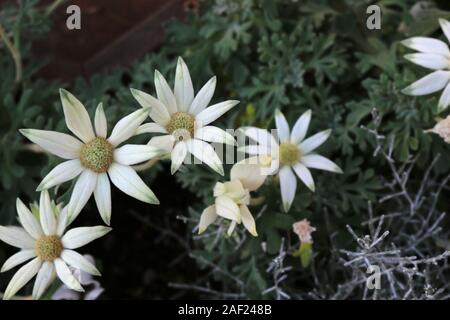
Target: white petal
(433, 82)
(135, 153)
(227, 208)
(77, 118)
(21, 278)
(16, 237)
(163, 142)
(316, 161)
(301, 127)
(81, 193)
(231, 227)
(432, 61)
(208, 216)
(164, 93)
(177, 156)
(444, 100)
(63, 221)
(256, 149)
(76, 260)
(282, 126)
(44, 278)
(314, 141)
(78, 237)
(127, 180)
(151, 127)
(206, 154)
(102, 195)
(60, 144)
(249, 174)
(214, 134)
(445, 25)
(27, 220)
(203, 97)
(61, 173)
(248, 221)
(46, 214)
(127, 127)
(18, 258)
(184, 91)
(305, 175)
(213, 112)
(101, 125)
(64, 274)
(158, 112)
(262, 136)
(288, 186)
(427, 45)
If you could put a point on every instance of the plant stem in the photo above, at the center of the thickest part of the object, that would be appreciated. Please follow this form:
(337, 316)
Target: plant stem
(15, 54)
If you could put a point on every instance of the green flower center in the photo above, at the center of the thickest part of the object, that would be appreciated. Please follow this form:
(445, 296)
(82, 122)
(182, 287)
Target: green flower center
(48, 248)
(289, 154)
(97, 155)
(181, 125)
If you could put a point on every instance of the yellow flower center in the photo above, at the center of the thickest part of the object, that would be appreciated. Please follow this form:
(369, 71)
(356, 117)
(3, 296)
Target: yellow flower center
(48, 248)
(181, 125)
(289, 154)
(97, 155)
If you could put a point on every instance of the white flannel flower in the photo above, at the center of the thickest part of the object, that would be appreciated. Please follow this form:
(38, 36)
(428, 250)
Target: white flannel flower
(294, 152)
(45, 241)
(95, 157)
(433, 54)
(184, 120)
(233, 197)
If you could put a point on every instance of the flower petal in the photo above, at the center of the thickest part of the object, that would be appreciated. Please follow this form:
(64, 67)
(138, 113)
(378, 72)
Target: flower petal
(76, 260)
(16, 237)
(262, 136)
(249, 174)
(205, 153)
(44, 278)
(78, 237)
(63, 221)
(214, 134)
(177, 156)
(231, 227)
(208, 216)
(81, 193)
(18, 258)
(433, 82)
(445, 26)
(164, 93)
(184, 91)
(227, 208)
(127, 126)
(151, 127)
(203, 97)
(61, 173)
(28, 221)
(66, 276)
(135, 153)
(158, 112)
(21, 278)
(301, 127)
(77, 118)
(256, 150)
(247, 220)
(316, 161)
(214, 112)
(314, 141)
(102, 196)
(444, 100)
(46, 214)
(101, 125)
(288, 186)
(127, 180)
(60, 144)
(305, 175)
(282, 126)
(427, 45)
(162, 142)
(432, 61)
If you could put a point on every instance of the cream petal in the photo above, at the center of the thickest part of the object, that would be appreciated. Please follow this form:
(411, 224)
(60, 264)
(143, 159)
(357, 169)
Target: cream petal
(78, 237)
(21, 278)
(262, 136)
(130, 154)
(60, 144)
(46, 214)
(183, 89)
(158, 112)
(282, 126)
(445, 26)
(227, 208)
(102, 196)
(231, 228)
(164, 93)
(203, 97)
(127, 180)
(163, 142)
(77, 118)
(314, 141)
(432, 61)
(151, 127)
(177, 156)
(76, 260)
(433, 82)
(288, 186)
(256, 150)
(16, 237)
(214, 134)
(127, 127)
(444, 100)
(44, 278)
(427, 45)
(213, 112)
(249, 174)
(316, 161)
(18, 258)
(28, 221)
(101, 125)
(206, 154)
(305, 175)
(63, 172)
(208, 217)
(301, 127)
(66, 276)
(84, 187)
(247, 220)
